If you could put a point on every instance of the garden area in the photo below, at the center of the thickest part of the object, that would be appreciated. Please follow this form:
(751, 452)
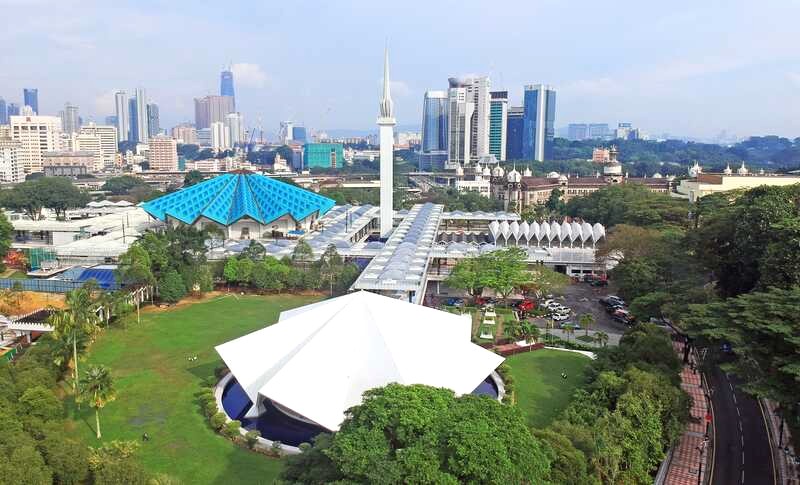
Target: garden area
(159, 366)
(541, 391)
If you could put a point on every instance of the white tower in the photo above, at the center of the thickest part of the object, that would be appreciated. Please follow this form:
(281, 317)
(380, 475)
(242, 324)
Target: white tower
(386, 124)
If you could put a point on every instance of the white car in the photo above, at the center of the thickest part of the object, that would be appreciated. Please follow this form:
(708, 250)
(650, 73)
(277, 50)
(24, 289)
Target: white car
(558, 317)
(561, 309)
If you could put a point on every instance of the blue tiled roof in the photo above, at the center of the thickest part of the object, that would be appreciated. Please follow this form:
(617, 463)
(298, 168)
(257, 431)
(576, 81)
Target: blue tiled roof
(229, 197)
(105, 277)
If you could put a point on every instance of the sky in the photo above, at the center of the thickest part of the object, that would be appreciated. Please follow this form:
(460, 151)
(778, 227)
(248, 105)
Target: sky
(689, 68)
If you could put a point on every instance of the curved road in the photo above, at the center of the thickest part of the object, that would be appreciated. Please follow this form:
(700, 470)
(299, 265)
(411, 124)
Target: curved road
(742, 454)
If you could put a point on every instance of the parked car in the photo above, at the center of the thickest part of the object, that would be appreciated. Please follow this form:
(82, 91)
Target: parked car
(525, 305)
(575, 325)
(624, 319)
(600, 282)
(482, 300)
(610, 309)
(612, 300)
(563, 310)
(559, 317)
(454, 302)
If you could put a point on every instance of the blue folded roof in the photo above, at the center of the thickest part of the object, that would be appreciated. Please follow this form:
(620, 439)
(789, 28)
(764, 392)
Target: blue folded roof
(229, 197)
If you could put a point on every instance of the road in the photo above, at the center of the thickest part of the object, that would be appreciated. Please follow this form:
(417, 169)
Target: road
(742, 453)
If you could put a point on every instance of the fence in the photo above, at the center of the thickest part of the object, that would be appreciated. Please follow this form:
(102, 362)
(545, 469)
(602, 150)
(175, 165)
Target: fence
(46, 286)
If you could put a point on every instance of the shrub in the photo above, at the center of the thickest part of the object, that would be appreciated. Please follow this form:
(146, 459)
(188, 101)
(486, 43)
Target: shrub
(220, 371)
(231, 429)
(210, 408)
(276, 447)
(252, 437)
(205, 394)
(218, 421)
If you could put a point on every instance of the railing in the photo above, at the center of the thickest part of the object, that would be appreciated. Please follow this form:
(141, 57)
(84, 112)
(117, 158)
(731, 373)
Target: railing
(45, 286)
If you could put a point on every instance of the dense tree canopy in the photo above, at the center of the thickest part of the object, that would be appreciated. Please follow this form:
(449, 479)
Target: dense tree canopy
(628, 204)
(55, 193)
(420, 434)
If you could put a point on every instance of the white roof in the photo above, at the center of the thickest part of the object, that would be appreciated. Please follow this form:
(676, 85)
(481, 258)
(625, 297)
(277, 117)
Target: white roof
(319, 359)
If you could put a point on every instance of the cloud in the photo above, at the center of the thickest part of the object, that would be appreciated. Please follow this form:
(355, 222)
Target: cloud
(250, 75)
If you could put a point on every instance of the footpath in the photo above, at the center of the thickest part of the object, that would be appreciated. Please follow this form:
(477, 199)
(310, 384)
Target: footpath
(689, 458)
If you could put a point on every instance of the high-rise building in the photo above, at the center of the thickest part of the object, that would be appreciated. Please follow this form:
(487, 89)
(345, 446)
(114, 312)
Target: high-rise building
(111, 120)
(478, 89)
(434, 122)
(10, 170)
(212, 109)
(598, 131)
(286, 132)
(498, 120)
(226, 85)
(299, 134)
(142, 126)
(162, 154)
(468, 120)
(577, 131)
(538, 129)
(123, 116)
(323, 155)
(514, 128)
(234, 125)
(204, 137)
(106, 136)
(3, 112)
(386, 124)
(219, 136)
(185, 134)
(36, 135)
(30, 97)
(70, 121)
(12, 109)
(133, 124)
(153, 124)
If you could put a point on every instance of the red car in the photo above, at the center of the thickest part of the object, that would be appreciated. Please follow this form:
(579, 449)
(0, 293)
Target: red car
(525, 305)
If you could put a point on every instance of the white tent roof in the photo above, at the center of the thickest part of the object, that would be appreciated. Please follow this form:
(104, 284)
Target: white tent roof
(319, 359)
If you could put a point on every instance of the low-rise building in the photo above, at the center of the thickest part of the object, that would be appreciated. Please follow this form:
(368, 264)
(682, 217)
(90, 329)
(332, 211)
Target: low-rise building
(69, 163)
(701, 184)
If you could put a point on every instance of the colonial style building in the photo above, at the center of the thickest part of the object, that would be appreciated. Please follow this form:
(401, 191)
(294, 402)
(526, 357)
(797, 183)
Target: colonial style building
(520, 190)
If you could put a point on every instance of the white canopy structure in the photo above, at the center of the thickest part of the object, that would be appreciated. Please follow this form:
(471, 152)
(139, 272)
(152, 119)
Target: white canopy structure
(318, 360)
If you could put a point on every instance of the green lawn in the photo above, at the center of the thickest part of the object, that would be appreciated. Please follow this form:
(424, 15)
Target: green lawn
(541, 391)
(156, 387)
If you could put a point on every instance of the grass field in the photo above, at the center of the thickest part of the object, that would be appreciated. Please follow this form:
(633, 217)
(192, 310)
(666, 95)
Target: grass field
(156, 386)
(541, 391)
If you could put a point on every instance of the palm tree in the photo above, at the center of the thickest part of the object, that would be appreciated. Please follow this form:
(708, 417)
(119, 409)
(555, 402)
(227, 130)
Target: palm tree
(75, 325)
(587, 321)
(98, 389)
(525, 331)
(569, 329)
(601, 338)
(548, 324)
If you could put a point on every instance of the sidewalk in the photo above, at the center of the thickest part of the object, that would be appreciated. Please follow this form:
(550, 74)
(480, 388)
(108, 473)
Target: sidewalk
(690, 449)
(783, 452)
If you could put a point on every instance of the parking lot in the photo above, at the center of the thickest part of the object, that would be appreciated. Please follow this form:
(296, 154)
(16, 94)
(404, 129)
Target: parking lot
(582, 298)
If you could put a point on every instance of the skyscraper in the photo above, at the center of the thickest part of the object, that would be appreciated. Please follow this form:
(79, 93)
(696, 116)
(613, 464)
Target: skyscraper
(299, 134)
(211, 109)
(538, 128)
(70, 121)
(12, 109)
(31, 98)
(107, 139)
(386, 124)
(133, 124)
(468, 120)
(142, 130)
(498, 119)
(3, 112)
(234, 125)
(577, 131)
(153, 124)
(514, 127)
(434, 121)
(286, 132)
(219, 136)
(123, 117)
(226, 85)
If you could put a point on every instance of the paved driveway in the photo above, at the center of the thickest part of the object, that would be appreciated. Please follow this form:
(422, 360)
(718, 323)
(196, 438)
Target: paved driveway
(582, 298)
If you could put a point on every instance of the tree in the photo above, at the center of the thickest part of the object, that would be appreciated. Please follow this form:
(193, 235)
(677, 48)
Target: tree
(171, 288)
(67, 458)
(135, 267)
(543, 280)
(302, 252)
(244, 270)
(122, 185)
(569, 330)
(255, 251)
(6, 231)
(98, 390)
(76, 324)
(554, 203)
(25, 197)
(587, 321)
(231, 270)
(526, 331)
(330, 265)
(420, 434)
(506, 270)
(59, 194)
(39, 402)
(468, 275)
(25, 465)
(114, 463)
(192, 177)
(601, 338)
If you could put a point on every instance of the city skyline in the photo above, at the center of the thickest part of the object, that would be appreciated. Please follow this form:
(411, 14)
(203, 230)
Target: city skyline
(659, 78)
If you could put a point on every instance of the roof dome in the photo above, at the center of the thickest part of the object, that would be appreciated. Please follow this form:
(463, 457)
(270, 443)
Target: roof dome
(514, 176)
(459, 170)
(527, 172)
(657, 175)
(727, 170)
(229, 197)
(477, 169)
(553, 175)
(498, 171)
(742, 170)
(563, 179)
(487, 172)
(695, 169)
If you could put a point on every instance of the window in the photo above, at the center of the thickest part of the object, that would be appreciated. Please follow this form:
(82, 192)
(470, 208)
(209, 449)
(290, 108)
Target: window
(245, 233)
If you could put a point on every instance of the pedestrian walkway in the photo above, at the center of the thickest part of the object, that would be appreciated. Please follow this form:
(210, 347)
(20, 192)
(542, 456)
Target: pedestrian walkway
(692, 448)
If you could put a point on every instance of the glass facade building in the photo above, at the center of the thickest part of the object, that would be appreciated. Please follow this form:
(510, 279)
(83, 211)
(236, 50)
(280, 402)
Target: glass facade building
(31, 98)
(498, 114)
(539, 116)
(226, 85)
(299, 134)
(323, 155)
(434, 121)
(514, 134)
(3, 112)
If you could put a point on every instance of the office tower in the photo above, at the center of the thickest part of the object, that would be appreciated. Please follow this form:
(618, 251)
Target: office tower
(185, 134)
(386, 124)
(234, 127)
(498, 119)
(106, 136)
(514, 133)
(226, 86)
(153, 124)
(70, 121)
(434, 121)
(286, 132)
(36, 135)
(133, 124)
(162, 154)
(123, 116)
(212, 109)
(10, 170)
(12, 109)
(598, 130)
(219, 136)
(299, 134)
(478, 89)
(3, 112)
(577, 131)
(110, 120)
(459, 116)
(538, 129)
(89, 144)
(31, 98)
(142, 127)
